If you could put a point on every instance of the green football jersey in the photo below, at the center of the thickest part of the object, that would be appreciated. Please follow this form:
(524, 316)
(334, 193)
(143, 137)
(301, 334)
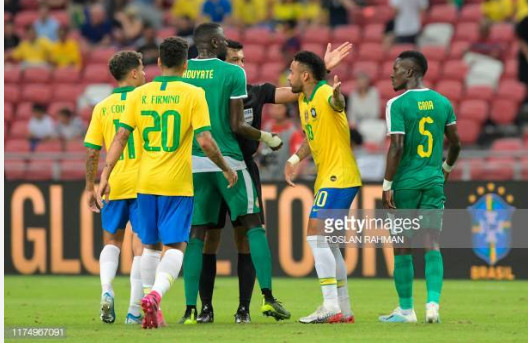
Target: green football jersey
(422, 115)
(221, 81)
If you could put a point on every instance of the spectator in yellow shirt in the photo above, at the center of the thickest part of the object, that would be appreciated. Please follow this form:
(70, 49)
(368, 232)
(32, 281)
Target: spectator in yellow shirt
(249, 12)
(312, 12)
(521, 10)
(187, 8)
(286, 10)
(32, 51)
(65, 52)
(498, 10)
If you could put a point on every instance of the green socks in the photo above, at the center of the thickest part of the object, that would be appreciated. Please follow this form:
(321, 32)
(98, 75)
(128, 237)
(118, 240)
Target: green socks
(260, 255)
(434, 274)
(192, 269)
(403, 279)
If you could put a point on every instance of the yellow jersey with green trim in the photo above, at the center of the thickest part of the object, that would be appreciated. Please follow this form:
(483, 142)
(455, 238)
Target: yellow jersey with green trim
(102, 129)
(328, 135)
(167, 113)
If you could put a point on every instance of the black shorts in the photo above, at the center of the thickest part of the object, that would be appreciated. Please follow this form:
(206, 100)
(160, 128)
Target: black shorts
(255, 176)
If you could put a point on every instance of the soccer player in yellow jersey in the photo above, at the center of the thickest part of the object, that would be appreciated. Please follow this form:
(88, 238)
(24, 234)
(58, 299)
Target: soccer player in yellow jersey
(127, 69)
(167, 114)
(327, 138)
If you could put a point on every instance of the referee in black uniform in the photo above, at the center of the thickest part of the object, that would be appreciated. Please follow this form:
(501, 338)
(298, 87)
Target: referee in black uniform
(258, 95)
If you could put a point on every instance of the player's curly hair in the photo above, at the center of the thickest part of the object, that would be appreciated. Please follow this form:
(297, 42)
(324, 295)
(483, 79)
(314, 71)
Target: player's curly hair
(173, 52)
(418, 60)
(123, 62)
(313, 62)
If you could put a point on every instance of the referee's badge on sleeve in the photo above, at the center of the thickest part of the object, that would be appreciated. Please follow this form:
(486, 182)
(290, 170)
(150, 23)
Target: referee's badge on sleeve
(248, 115)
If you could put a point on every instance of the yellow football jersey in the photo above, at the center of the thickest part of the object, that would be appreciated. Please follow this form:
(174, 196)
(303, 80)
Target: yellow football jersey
(167, 113)
(102, 129)
(328, 135)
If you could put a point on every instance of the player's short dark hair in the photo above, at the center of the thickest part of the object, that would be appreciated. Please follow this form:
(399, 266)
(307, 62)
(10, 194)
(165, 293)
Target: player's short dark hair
(233, 44)
(66, 112)
(173, 52)
(38, 107)
(417, 58)
(123, 62)
(204, 32)
(313, 62)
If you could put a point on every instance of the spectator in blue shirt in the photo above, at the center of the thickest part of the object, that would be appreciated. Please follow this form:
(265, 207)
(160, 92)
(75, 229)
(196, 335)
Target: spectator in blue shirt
(45, 25)
(97, 28)
(217, 10)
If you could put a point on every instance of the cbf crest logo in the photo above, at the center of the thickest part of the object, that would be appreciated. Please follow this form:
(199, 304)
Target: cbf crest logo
(491, 223)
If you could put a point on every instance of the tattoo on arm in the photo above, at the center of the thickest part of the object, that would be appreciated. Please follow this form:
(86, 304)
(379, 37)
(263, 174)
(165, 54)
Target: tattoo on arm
(92, 161)
(116, 149)
(338, 103)
(304, 150)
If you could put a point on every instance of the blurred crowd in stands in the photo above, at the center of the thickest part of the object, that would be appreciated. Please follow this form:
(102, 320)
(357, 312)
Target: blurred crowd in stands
(477, 49)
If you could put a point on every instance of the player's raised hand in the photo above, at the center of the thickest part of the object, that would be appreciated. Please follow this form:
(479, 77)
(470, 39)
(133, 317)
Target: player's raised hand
(333, 58)
(290, 173)
(231, 177)
(388, 200)
(92, 201)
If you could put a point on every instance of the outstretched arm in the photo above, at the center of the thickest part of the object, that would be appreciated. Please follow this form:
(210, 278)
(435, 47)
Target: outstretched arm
(241, 128)
(290, 169)
(332, 58)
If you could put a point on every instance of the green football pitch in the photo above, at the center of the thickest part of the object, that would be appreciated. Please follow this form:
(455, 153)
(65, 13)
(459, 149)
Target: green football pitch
(472, 311)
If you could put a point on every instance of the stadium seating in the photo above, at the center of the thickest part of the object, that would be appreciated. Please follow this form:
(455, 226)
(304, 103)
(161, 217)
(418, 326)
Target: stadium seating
(37, 75)
(49, 146)
(507, 144)
(19, 129)
(257, 35)
(24, 110)
(451, 89)
(66, 75)
(254, 53)
(12, 75)
(476, 110)
(347, 33)
(484, 93)
(318, 35)
(39, 170)
(511, 90)
(442, 14)
(72, 170)
(15, 169)
(503, 111)
(469, 130)
(447, 35)
(17, 145)
(37, 92)
(454, 70)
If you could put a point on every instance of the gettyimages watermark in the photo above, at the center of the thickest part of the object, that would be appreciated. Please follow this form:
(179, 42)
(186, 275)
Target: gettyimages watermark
(499, 229)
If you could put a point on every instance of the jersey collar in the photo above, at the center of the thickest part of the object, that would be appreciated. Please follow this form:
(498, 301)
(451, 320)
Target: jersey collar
(123, 89)
(167, 78)
(317, 86)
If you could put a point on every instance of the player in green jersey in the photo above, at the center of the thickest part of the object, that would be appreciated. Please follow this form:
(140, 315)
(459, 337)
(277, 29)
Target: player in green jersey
(225, 89)
(414, 177)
